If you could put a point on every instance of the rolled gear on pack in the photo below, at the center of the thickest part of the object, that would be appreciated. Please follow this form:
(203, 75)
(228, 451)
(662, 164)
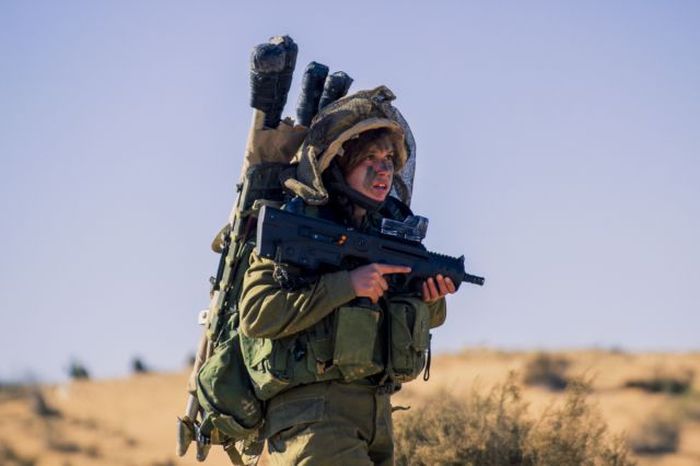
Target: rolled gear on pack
(222, 407)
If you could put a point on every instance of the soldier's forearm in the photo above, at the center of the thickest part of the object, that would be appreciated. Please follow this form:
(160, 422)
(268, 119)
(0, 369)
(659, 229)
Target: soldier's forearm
(268, 311)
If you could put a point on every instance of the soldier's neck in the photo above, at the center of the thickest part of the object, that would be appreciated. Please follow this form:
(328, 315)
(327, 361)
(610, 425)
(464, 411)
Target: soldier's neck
(358, 214)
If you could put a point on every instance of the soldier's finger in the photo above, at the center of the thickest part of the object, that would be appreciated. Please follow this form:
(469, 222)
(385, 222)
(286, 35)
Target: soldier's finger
(388, 268)
(383, 283)
(426, 292)
(379, 291)
(442, 287)
(433, 289)
(450, 285)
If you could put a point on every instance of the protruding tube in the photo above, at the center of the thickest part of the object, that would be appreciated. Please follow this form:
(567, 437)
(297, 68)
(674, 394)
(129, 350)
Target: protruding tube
(311, 90)
(271, 68)
(336, 86)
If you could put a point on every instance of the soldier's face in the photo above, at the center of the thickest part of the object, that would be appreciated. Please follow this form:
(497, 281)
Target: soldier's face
(375, 172)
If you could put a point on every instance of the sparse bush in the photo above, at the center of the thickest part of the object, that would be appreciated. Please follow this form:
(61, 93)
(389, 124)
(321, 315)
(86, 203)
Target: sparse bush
(660, 433)
(92, 451)
(77, 371)
(11, 391)
(690, 406)
(575, 434)
(63, 446)
(495, 430)
(548, 371)
(484, 430)
(663, 381)
(40, 407)
(138, 366)
(9, 457)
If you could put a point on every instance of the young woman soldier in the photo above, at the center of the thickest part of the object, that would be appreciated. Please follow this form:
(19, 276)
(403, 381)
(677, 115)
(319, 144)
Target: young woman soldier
(326, 362)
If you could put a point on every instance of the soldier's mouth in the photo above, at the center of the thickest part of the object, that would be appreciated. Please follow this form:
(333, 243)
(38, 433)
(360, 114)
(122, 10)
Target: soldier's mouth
(381, 187)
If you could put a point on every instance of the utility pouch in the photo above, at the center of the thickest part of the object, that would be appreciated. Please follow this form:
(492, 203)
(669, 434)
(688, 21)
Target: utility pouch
(225, 391)
(355, 340)
(266, 363)
(409, 323)
(276, 365)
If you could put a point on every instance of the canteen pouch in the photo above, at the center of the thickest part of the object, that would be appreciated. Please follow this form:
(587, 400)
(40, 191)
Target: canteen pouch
(280, 364)
(355, 341)
(266, 361)
(409, 324)
(225, 391)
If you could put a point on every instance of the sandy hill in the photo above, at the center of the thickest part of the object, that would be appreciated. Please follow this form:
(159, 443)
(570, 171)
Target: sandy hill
(132, 421)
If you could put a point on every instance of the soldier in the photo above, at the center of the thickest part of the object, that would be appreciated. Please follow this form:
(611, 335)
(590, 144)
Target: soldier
(327, 348)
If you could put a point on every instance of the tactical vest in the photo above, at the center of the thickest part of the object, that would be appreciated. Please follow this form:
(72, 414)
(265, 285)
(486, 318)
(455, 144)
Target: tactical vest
(387, 342)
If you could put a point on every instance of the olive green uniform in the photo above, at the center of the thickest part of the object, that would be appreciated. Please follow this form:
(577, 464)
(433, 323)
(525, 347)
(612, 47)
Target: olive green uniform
(324, 364)
(321, 423)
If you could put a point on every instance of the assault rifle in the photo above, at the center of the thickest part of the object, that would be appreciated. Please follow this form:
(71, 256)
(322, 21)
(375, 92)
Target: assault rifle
(309, 242)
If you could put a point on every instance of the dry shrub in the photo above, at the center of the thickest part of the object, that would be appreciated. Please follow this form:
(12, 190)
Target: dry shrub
(548, 371)
(660, 433)
(9, 457)
(575, 434)
(138, 366)
(481, 430)
(495, 430)
(13, 391)
(77, 371)
(690, 406)
(665, 381)
(40, 407)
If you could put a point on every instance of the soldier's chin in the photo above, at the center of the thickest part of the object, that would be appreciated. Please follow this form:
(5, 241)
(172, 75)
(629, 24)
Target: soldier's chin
(377, 194)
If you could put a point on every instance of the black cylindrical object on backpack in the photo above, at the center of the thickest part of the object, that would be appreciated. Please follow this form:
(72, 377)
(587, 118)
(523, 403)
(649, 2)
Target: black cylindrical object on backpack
(311, 90)
(336, 86)
(271, 68)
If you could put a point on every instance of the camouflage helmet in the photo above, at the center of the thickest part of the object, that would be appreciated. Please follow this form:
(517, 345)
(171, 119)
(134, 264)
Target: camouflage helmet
(341, 121)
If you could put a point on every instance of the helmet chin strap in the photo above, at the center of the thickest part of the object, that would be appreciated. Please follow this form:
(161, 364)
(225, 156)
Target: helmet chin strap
(335, 182)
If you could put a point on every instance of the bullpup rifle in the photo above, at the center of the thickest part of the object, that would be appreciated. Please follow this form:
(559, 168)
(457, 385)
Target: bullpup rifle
(310, 242)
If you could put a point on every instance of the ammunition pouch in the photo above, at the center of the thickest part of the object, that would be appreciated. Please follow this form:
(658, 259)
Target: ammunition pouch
(343, 346)
(225, 391)
(279, 364)
(409, 330)
(356, 341)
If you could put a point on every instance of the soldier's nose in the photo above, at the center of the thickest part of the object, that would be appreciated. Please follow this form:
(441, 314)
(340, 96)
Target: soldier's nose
(383, 167)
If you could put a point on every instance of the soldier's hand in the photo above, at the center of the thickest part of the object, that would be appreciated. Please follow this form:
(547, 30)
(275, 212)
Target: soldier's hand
(433, 292)
(368, 281)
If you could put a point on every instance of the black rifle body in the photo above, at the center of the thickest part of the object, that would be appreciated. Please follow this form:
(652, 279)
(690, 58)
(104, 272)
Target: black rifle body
(310, 242)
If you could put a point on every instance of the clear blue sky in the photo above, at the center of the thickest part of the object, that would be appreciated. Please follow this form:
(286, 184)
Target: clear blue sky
(558, 148)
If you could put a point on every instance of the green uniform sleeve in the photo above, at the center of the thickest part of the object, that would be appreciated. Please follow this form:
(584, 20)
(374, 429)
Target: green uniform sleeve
(438, 312)
(268, 311)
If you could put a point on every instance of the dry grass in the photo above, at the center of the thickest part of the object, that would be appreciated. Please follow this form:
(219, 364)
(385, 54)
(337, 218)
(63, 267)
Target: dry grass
(496, 429)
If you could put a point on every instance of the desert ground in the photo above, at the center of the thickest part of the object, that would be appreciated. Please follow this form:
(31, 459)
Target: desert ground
(131, 421)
